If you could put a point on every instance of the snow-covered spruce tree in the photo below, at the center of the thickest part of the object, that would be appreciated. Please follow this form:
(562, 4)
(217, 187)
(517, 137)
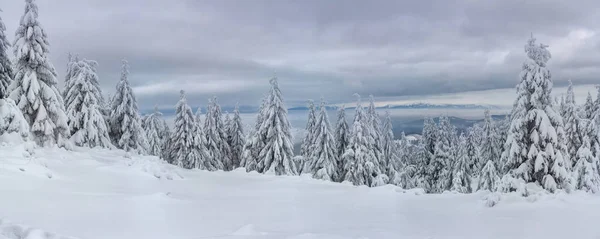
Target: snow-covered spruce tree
(430, 134)
(573, 127)
(34, 85)
(254, 141)
(472, 152)
(185, 144)
(206, 161)
(359, 159)
(390, 148)
(375, 131)
(215, 136)
(308, 141)
(588, 107)
(425, 152)
(592, 127)
(440, 167)
(276, 156)
(323, 157)
(406, 163)
(562, 106)
(11, 118)
(6, 71)
(461, 173)
(533, 151)
(83, 100)
(489, 178)
(237, 139)
(490, 147)
(126, 129)
(586, 170)
(155, 132)
(341, 140)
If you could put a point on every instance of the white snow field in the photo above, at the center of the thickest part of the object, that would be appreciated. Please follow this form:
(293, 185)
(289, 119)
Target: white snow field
(100, 194)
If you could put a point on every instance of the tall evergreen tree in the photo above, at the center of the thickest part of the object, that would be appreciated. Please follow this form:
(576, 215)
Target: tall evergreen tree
(276, 156)
(254, 141)
(236, 138)
(440, 166)
(461, 173)
(83, 99)
(125, 124)
(323, 157)
(34, 85)
(490, 147)
(185, 144)
(389, 146)
(359, 159)
(588, 107)
(472, 152)
(341, 140)
(533, 151)
(6, 71)
(215, 136)
(374, 130)
(206, 160)
(489, 177)
(585, 171)
(308, 141)
(573, 127)
(155, 132)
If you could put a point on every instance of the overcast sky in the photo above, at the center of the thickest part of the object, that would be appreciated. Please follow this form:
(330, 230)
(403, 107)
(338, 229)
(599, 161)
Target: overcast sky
(388, 48)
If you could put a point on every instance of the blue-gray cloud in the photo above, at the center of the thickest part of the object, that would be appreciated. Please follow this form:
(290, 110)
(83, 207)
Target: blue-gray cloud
(317, 48)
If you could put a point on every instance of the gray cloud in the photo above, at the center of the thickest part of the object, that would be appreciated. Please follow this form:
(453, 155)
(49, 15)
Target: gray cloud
(317, 48)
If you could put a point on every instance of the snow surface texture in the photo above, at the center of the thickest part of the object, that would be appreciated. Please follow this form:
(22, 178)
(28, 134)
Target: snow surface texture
(99, 193)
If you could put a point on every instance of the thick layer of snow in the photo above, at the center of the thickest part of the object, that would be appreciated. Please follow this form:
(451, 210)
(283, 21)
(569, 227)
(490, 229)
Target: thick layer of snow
(98, 194)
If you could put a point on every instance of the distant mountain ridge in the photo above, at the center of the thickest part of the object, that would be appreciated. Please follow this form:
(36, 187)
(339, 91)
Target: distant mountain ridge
(413, 106)
(254, 109)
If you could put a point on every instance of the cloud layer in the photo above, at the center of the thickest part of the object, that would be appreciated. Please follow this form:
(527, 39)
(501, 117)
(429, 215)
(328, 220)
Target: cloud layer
(387, 48)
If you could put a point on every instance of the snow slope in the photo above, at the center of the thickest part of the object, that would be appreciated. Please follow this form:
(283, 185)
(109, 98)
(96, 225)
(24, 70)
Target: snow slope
(98, 194)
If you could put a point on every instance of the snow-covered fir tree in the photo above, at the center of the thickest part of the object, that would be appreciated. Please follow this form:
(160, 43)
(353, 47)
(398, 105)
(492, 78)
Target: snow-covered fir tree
(592, 126)
(34, 86)
(206, 161)
(490, 146)
(185, 142)
(461, 173)
(359, 159)
(405, 166)
(588, 107)
(155, 132)
(126, 129)
(440, 167)
(533, 151)
(255, 141)
(276, 156)
(389, 146)
(375, 131)
(489, 178)
(472, 152)
(308, 140)
(237, 139)
(429, 134)
(215, 137)
(6, 71)
(323, 155)
(341, 140)
(11, 119)
(585, 171)
(83, 102)
(573, 127)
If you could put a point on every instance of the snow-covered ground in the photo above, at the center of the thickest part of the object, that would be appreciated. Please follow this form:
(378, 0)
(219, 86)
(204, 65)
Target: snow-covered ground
(99, 194)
